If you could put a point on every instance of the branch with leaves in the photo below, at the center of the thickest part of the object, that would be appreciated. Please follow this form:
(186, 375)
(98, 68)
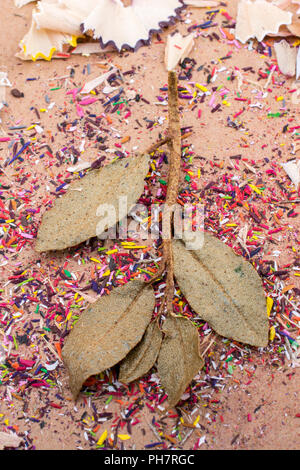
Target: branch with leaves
(222, 288)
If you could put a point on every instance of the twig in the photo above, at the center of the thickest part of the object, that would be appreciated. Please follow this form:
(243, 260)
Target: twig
(173, 183)
(284, 202)
(158, 144)
(174, 143)
(207, 348)
(164, 141)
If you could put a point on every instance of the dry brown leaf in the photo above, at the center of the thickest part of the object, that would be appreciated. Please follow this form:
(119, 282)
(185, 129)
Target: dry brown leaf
(224, 289)
(179, 359)
(107, 331)
(91, 205)
(142, 358)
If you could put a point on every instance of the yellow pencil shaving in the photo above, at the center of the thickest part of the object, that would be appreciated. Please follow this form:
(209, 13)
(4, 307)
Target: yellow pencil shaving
(137, 247)
(257, 190)
(270, 302)
(102, 438)
(201, 87)
(272, 333)
(110, 252)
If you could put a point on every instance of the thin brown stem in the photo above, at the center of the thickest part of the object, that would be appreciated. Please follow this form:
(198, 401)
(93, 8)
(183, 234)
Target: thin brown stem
(173, 183)
(174, 143)
(164, 141)
(158, 144)
(295, 201)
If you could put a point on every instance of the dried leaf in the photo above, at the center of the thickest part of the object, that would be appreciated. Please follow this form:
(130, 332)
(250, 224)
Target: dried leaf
(107, 331)
(258, 19)
(224, 289)
(9, 440)
(142, 358)
(91, 205)
(179, 359)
